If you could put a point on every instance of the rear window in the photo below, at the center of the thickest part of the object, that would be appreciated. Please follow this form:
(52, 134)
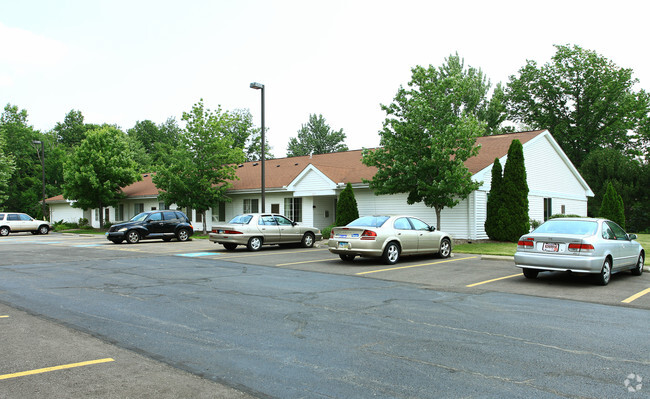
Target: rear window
(241, 219)
(558, 226)
(369, 221)
(2, 216)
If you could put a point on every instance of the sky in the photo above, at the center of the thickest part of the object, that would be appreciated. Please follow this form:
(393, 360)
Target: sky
(120, 62)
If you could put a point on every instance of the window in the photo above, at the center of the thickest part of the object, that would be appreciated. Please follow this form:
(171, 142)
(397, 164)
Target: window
(618, 231)
(293, 209)
(13, 216)
(267, 220)
(402, 224)
(25, 218)
(107, 215)
(162, 206)
(282, 221)
(564, 209)
(170, 215)
(251, 205)
(155, 216)
(119, 212)
(419, 225)
(275, 208)
(138, 208)
(548, 208)
(219, 214)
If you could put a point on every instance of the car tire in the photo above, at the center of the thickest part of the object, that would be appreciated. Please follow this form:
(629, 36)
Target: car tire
(43, 229)
(117, 241)
(445, 248)
(132, 237)
(4, 231)
(605, 273)
(530, 273)
(391, 253)
(254, 244)
(346, 257)
(183, 235)
(229, 246)
(307, 240)
(638, 270)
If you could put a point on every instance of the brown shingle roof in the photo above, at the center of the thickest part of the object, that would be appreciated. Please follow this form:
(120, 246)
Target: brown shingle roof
(340, 167)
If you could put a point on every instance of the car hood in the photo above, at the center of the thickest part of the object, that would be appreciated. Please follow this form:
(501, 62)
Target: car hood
(118, 226)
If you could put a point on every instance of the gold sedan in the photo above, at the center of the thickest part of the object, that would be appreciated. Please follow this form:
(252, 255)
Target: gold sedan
(388, 237)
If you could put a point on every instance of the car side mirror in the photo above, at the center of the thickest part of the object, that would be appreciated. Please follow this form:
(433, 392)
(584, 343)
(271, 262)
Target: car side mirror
(432, 228)
(631, 237)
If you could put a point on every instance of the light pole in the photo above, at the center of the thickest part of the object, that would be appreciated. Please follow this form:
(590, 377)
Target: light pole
(41, 157)
(259, 86)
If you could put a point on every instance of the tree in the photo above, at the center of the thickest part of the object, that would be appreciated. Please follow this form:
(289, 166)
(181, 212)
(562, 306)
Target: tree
(493, 225)
(612, 206)
(347, 209)
(583, 98)
(429, 132)
(25, 190)
(97, 170)
(199, 171)
(316, 137)
(246, 136)
(7, 166)
(513, 213)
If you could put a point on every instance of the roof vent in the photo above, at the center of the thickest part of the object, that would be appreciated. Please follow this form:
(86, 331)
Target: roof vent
(255, 164)
(145, 175)
(277, 166)
(241, 166)
(296, 164)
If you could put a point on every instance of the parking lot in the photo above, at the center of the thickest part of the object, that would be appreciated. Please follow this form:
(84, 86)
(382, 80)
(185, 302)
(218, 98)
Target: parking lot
(41, 346)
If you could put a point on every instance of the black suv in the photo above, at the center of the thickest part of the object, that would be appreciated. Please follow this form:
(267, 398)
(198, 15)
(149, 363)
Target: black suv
(153, 224)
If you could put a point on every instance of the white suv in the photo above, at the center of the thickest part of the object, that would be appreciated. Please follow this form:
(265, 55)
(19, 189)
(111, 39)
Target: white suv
(11, 222)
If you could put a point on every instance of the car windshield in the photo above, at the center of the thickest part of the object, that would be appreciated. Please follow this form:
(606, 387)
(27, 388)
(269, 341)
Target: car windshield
(139, 217)
(241, 219)
(369, 221)
(558, 226)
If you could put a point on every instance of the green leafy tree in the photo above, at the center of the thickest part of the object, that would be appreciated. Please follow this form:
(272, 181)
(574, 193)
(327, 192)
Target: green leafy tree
(347, 209)
(201, 169)
(607, 165)
(493, 225)
(316, 137)
(584, 99)
(97, 170)
(25, 190)
(513, 213)
(72, 130)
(248, 137)
(612, 206)
(430, 131)
(7, 166)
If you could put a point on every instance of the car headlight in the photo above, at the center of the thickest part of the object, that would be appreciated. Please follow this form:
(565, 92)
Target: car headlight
(123, 229)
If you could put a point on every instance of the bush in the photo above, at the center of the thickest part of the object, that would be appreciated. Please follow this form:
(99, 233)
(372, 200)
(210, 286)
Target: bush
(346, 209)
(83, 222)
(107, 225)
(327, 230)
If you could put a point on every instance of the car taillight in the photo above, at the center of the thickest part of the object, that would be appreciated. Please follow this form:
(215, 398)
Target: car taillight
(575, 247)
(332, 234)
(368, 235)
(526, 242)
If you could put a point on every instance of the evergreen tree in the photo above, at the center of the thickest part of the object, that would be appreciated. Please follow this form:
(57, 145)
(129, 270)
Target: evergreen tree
(514, 209)
(346, 208)
(612, 206)
(494, 202)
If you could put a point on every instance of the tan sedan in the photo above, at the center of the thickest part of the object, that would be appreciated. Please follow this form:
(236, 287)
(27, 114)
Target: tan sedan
(388, 237)
(256, 229)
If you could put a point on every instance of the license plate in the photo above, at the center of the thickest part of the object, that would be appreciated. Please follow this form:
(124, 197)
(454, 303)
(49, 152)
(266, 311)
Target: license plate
(550, 247)
(344, 245)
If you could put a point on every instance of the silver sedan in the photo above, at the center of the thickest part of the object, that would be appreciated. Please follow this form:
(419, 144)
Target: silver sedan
(388, 237)
(583, 245)
(256, 229)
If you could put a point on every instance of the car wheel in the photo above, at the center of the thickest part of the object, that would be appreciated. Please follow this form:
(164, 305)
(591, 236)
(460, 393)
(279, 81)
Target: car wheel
(638, 270)
(4, 231)
(43, 230)
(307, 240)
(445, 248)
(391, 254)
(132, 237)
(229, 246)
(346, 257)
(531, 273)
(254, 244)
(117, 241)
(183, 235)
(605, 273)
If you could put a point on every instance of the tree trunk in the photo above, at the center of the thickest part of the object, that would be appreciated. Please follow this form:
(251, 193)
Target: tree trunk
(438, 212)
(101, 215)
(205, 223)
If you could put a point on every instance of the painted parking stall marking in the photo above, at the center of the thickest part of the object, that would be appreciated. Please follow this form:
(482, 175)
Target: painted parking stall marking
(636, 296)
(418, 265)
(55, 368)
(493, 280)
(198, 254)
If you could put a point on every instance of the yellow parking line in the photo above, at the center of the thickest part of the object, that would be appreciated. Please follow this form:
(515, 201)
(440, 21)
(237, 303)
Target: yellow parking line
(48, 369)
(636, 296)
(494, 279)
(408, 267)
(297, 263)
(3, 317)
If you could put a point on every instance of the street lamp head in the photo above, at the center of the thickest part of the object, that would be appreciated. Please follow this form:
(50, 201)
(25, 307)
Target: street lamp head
(257, 86)
(36, 142)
